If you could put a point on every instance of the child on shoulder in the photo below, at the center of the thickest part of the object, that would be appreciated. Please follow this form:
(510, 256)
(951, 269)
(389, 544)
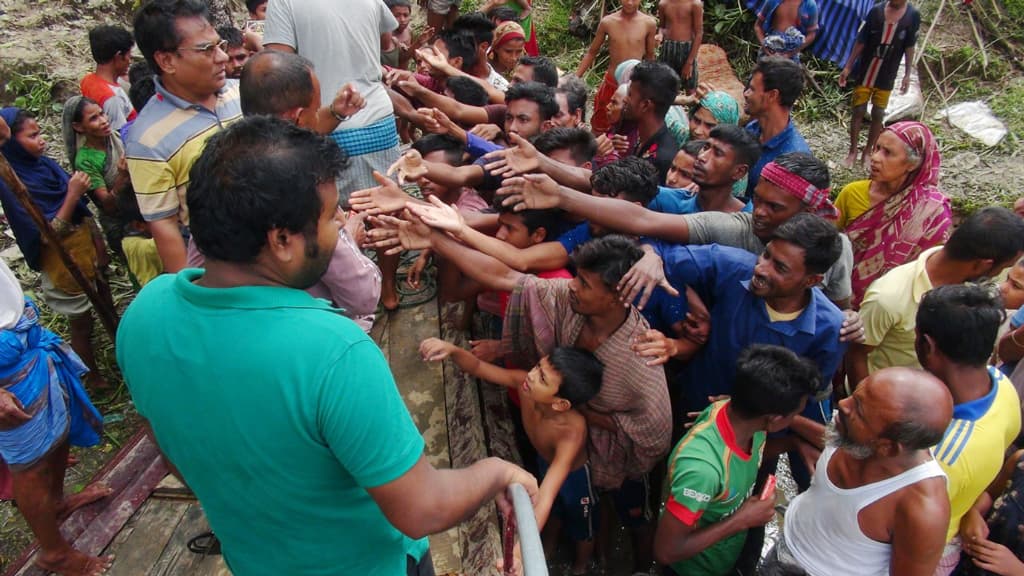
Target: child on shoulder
(549, 393)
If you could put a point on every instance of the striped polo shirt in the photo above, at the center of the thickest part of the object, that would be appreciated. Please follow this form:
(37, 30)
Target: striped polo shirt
(164, 142)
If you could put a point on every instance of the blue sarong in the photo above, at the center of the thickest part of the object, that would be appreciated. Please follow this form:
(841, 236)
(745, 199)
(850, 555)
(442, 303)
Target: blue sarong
(45, 375)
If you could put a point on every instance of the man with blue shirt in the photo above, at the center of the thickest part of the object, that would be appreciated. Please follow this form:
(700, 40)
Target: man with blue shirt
(277, 411)
(775, 86)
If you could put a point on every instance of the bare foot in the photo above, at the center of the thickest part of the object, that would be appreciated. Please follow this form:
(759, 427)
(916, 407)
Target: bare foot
(851, 159)
(389, 300)
(91, 493)
(74, 563)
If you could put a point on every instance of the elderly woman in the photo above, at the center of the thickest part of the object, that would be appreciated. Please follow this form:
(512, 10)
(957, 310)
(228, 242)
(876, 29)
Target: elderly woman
(900, 211)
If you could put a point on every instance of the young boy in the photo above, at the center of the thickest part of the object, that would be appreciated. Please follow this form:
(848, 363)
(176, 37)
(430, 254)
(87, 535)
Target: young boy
(398, 46)
(257, 16)
(630, 34)
(888, 32)
(682, 31)
(111, 48)
(563, 380)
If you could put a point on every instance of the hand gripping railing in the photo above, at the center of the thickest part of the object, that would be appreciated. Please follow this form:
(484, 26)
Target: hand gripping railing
(524, 524)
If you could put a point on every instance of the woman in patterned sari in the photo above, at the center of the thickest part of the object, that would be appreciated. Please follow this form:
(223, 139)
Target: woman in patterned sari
(900, 211)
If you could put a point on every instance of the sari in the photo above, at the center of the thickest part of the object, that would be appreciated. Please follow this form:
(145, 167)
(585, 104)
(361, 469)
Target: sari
(75, 141)
(726, 110)
(896, 231)
(538, 319)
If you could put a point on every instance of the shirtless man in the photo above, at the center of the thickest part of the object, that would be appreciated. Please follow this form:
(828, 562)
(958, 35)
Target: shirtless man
(878, 504)
(630, 34)
(682, 30)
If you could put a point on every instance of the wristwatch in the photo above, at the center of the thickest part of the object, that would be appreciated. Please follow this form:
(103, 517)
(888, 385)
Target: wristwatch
(339, 117)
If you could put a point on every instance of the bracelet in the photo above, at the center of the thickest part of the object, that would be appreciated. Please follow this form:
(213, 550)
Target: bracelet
(338, 117)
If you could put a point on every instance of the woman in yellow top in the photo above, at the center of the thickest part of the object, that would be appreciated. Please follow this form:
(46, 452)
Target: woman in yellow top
(900, 211)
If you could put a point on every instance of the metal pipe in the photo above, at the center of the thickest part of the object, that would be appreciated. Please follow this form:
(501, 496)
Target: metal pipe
(530, 547)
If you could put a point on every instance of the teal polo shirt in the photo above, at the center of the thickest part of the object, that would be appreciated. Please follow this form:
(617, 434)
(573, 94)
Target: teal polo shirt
(279, 412)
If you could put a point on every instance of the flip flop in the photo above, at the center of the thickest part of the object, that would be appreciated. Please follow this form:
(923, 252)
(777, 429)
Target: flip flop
(206, 544)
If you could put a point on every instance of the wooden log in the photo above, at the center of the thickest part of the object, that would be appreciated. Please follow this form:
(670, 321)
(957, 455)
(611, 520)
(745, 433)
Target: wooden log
(103, 306)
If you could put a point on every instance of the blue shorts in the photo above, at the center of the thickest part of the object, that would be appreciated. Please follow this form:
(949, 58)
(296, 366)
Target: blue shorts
(633, 502)
(576, 504)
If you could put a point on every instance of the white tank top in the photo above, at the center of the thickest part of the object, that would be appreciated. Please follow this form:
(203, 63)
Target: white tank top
(821, 528)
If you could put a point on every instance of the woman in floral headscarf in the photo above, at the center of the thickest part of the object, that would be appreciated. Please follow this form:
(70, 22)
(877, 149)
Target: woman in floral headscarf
(900, 211)
(507, 47)
(523, 9)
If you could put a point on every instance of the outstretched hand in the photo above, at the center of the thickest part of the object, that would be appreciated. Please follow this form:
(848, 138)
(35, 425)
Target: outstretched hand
(647, 274)
(439, 215)
(347, 101)
(397, 234)
(654, 345)
(530, 192)
(409, 166)
(435, 349)
(520, 158)
(382, 199)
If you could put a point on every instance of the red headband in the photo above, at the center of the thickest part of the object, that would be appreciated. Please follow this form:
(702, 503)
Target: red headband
(808, 193)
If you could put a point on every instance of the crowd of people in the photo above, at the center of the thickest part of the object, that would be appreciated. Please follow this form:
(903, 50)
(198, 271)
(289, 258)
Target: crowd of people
(671, 292)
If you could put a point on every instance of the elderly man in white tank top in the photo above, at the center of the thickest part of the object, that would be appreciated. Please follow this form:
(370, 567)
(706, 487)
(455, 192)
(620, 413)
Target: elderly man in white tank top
(877, 504)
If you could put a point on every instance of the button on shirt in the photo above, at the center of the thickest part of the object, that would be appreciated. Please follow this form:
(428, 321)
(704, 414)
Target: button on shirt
(721, 277)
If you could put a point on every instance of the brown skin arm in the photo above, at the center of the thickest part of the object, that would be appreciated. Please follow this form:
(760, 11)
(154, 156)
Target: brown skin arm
(569, 446)
(477, 368)
(599, 38)
(675, 541)
(1008, 349)
(857, 363)
(452, 176)
(598, 419)
(536, 258)
(919, 529)
(489, 272)
(626, 217)
(698, 33)
(457, 111)
(169, 243)
(426, 500)
(650, 40)
(810, 431)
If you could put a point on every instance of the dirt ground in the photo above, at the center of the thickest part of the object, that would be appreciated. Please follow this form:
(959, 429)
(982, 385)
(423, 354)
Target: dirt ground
(44, 50)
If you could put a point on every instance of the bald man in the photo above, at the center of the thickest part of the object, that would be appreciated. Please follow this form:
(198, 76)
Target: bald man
(878, 502)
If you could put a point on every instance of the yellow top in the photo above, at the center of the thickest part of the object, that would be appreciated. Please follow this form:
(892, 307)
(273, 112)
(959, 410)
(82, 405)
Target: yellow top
(853, 200)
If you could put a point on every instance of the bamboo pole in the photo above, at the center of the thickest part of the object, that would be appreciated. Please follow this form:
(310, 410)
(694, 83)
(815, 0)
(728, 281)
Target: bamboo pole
(103, 306)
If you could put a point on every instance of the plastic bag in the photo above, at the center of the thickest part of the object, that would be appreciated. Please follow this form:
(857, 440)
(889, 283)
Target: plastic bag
(977, 120)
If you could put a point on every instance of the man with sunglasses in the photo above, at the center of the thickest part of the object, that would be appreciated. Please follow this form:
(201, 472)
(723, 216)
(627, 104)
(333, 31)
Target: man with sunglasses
(191, 104)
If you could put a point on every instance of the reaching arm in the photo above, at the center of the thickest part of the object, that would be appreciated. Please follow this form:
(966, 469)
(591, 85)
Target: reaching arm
(675, 541)
(566, 451)
(535, 191)
(595, 47)
(488, 271)
(435, 350)
(461, 113)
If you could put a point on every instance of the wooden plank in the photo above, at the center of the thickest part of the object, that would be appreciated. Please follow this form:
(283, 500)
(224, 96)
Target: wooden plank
(480, 536)
(213, 566)
(176, 559)
(155, 523)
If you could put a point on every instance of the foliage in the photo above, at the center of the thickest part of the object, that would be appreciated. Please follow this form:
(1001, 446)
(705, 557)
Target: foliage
(35, 93)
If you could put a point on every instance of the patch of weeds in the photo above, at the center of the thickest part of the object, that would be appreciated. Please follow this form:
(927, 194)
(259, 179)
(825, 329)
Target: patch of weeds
(1008, 105)
(34, 92)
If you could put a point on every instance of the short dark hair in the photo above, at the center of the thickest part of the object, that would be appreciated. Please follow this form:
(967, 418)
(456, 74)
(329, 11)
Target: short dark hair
(631, 177)
(467, 91)
(232, 35)
(746, 149)
(784, 75)
(397, 3)
(543, 95)
(581, 374)
(806, 166)
(694, 147)
(544, 69)
(156, 29)
(139, 70)
(107, 41)
(579, 142)
(576, 94)
(657, 82)
(258, 174)
(550, 219)
(478, 25)
(128, 205)
(460, 44)
(609, 256)
(451, 147)
(253, 5)
(274, 82)
(772, 381)
(503, 14)
(963, 320)
(817, 236)
(141, 91)
(990, 233)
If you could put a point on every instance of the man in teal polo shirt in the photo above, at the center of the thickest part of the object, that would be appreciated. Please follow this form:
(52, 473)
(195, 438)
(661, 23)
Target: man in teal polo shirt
(279, 412)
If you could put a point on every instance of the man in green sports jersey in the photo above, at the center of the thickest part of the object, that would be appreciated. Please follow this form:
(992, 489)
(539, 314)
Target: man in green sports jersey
(711, 472)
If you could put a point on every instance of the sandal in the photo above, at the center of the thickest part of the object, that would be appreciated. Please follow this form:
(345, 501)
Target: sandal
(206, 544)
